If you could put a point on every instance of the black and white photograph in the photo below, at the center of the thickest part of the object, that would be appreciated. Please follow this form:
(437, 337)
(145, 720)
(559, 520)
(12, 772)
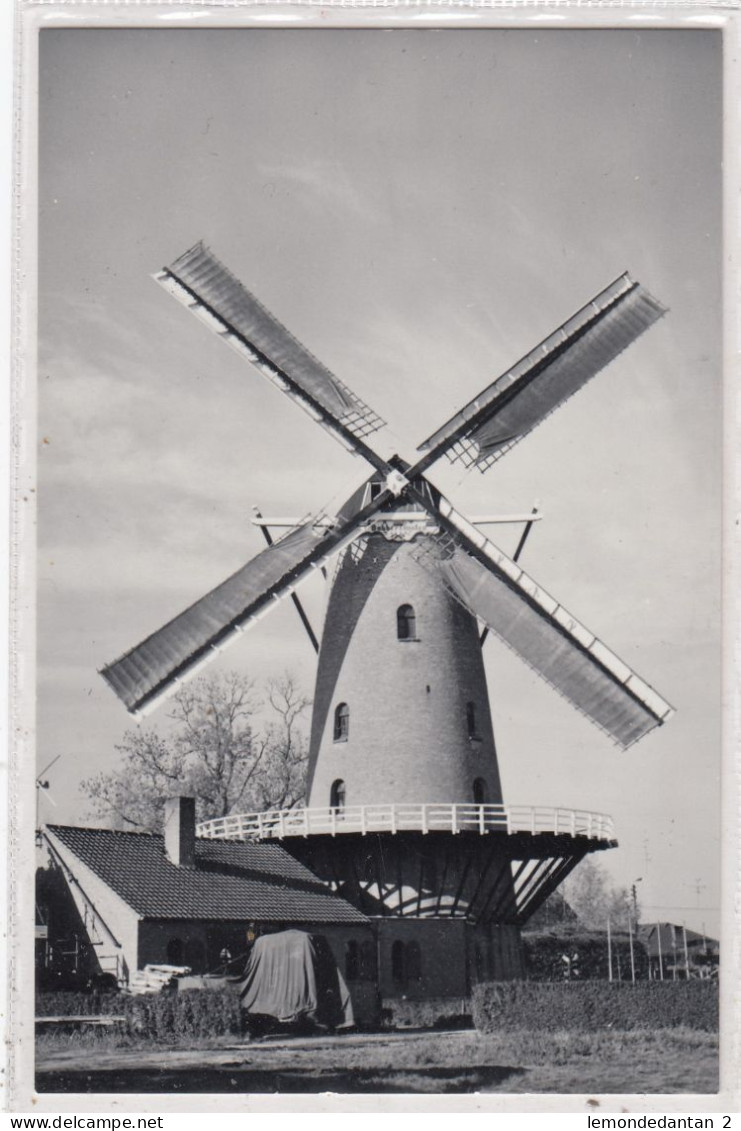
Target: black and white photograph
(377, 708)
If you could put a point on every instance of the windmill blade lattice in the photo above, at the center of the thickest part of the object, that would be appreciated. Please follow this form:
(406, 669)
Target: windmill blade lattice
(216, 296)
(146, 671)
(508, 409)
(562, 651)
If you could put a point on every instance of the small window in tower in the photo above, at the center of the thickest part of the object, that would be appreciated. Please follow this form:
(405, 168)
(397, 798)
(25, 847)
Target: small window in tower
(471, 719)
(337, 796)
(406, 623)
(480, 792)
(375, 491)
(341, 722)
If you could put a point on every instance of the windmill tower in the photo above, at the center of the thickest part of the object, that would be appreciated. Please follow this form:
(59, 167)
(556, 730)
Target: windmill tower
(405, 814)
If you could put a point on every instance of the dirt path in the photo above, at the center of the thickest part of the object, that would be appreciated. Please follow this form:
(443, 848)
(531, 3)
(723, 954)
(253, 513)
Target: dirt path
(351, 1063)
(433, 1062)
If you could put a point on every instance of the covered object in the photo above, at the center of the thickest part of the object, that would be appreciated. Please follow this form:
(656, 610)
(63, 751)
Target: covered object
(292, 976)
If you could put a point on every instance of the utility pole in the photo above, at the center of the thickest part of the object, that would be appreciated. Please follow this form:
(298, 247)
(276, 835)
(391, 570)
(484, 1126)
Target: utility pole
(659, 944)
(609, 952)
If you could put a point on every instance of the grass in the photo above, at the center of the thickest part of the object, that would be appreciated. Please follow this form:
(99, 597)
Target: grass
(666, 1061)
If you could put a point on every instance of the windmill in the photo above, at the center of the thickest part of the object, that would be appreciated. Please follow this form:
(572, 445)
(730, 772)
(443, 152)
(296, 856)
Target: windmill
(403, 765)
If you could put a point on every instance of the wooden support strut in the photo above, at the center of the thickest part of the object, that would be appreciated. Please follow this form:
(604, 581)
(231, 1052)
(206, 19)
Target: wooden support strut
(515, 557)
(297, 603)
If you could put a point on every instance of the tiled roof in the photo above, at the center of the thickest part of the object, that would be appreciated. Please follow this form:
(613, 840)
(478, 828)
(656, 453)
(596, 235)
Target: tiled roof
(672, 938)
(232, 880)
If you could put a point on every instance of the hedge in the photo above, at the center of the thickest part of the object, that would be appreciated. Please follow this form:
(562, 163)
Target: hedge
(192, 1013)
(77, 1003)
(591, 1006)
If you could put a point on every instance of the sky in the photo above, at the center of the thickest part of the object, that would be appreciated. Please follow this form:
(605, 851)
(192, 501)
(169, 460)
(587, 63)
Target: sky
(420, 207)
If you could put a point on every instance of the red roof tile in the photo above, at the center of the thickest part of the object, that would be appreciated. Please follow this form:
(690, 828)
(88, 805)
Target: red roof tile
(232, 879)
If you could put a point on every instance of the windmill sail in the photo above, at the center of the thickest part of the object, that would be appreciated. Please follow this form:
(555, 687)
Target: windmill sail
(500, 416)
(148, 670)
(547, 637)
(208, 288)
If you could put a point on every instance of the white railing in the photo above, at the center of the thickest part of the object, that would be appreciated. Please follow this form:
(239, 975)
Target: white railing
(432, 817)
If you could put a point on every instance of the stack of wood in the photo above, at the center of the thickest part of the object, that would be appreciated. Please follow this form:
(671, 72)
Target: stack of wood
(152, 979)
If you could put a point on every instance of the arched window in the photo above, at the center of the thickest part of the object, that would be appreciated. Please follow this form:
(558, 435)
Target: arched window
(480, 792)
(413, 962)
(406, 623)
(368, 962)
(352, 964)
(341, 722)
(195, 955)
(429, 874)
(471, 719)
(337, 795)
(397, 961)
(175, 952)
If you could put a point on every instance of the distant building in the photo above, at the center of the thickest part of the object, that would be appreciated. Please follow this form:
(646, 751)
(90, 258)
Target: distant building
(676, 951)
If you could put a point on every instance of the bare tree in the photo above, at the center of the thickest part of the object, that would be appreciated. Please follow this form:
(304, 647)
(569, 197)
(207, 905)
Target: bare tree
(594, 899)
(218, 751)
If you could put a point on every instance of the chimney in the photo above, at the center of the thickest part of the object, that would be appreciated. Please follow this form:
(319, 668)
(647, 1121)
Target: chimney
(180, 831)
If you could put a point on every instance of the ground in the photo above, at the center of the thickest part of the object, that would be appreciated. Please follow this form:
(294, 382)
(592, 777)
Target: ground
(680, 1061)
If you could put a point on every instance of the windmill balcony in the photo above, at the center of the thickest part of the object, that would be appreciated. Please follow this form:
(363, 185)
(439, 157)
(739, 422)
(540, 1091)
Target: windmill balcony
(423, 818)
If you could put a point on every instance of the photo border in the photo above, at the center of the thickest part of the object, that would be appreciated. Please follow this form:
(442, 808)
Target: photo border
(31, 18)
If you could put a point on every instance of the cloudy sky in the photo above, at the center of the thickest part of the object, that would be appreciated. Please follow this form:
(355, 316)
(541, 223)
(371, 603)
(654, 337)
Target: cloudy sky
(420, 208)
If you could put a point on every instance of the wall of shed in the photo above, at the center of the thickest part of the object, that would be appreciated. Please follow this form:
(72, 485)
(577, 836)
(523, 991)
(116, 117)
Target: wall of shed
(121, 919)
(202, 943)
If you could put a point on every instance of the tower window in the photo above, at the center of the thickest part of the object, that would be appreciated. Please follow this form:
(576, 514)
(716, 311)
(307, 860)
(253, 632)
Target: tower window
(406, 623)
(337, 795)
(375, 491)
(341, 722)
(480, 792)
(471, 719)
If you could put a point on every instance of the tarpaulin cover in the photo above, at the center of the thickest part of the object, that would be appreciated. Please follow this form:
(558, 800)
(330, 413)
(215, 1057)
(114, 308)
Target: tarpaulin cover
(143, 670)
(560, 649)
(293, 976)
(557, 368)
(214, 285)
